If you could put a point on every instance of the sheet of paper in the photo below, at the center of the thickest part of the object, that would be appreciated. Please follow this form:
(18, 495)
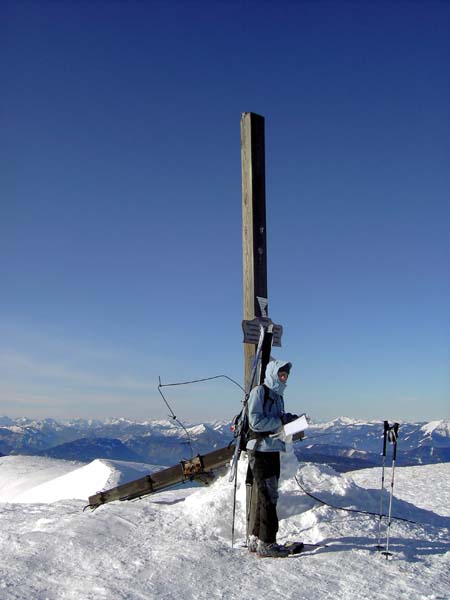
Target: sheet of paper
(299, 424)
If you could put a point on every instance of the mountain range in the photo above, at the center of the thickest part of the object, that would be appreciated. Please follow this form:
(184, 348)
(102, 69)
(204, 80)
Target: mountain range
(345, 444)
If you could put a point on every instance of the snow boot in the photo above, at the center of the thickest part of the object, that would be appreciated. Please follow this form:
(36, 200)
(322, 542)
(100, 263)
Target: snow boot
(252, 543)
(274, 550)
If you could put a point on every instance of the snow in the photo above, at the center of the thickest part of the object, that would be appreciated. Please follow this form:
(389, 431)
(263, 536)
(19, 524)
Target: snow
(31, 479)
(425, 486)
(19, 474)
(177, 544)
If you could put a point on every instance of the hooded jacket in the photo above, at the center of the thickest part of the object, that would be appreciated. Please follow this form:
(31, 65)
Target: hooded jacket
(265, 416)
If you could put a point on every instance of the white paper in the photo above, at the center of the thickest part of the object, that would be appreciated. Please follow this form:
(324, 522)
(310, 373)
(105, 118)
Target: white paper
(299, 424)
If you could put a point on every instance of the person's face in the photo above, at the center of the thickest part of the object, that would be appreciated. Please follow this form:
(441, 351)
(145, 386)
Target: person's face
(283, 376)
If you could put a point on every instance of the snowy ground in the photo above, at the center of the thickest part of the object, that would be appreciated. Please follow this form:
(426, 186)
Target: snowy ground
(176, 544)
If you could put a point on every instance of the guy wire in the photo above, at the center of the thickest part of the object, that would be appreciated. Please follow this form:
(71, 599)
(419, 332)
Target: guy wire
(199, 380)
(172, 414)
(353, 510)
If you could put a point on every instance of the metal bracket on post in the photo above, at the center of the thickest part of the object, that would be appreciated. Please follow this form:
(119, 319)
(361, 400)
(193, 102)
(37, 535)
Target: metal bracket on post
(195, 469)
(192, 467)
(252, 328)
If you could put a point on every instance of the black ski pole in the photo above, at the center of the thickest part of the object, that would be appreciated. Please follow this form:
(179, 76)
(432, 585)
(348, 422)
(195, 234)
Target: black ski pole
(234, 511)
(385, 431)
(248, 504)
(393, 437)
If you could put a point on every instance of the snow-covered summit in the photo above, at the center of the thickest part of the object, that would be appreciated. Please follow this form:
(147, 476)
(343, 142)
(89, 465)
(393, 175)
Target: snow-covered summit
(177, 544)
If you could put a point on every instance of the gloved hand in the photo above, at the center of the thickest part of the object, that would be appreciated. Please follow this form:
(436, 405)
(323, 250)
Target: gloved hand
(288, 418)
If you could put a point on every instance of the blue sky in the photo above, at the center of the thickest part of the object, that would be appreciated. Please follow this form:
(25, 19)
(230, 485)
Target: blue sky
(120, 228)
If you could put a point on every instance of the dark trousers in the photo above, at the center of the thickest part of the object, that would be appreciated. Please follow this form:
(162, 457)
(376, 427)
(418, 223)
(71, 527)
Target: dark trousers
(262, 479)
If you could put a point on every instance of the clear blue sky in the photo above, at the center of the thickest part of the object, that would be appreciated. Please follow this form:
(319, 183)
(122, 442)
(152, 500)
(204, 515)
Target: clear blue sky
(120, 222)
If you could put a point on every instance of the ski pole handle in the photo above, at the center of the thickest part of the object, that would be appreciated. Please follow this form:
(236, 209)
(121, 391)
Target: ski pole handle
(393, 433)
(386, 429)
(395, 438)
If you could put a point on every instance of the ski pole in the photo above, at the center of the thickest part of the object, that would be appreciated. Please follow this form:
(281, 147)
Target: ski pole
(234, 512)
(392, 436)
(385, 431)
(248, 504)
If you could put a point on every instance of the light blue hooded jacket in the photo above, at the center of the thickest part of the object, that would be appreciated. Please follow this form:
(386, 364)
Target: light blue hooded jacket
(265, 417)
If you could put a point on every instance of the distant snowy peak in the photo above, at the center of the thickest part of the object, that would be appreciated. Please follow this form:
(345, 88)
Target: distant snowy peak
(13, 428)
(340, 422)
(346, 421)
(197, 429)
(441, 428)
(122, 422)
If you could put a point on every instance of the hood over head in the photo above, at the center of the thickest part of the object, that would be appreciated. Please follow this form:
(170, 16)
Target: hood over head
(271, 376)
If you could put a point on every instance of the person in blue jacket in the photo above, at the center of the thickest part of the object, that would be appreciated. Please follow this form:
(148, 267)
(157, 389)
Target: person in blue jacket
(267, 417)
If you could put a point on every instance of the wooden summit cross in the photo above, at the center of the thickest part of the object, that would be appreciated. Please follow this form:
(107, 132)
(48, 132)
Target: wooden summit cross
(254, 243)
(202, 467)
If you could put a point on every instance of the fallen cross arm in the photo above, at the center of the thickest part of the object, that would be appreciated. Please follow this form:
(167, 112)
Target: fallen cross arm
(200, 468)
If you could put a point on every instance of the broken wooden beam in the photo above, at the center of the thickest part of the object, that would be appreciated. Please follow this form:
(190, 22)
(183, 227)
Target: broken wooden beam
(200, 468)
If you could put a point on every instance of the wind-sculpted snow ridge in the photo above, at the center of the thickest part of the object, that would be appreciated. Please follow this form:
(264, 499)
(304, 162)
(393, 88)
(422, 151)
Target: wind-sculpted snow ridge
(176, 544)
(29, 479)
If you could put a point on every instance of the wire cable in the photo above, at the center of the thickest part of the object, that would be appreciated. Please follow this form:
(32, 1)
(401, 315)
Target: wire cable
(174, 417)
(353, 510)
(172, 414)
(200, 380)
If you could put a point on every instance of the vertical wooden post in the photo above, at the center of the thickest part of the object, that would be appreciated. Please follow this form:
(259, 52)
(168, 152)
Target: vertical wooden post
(254, 251)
